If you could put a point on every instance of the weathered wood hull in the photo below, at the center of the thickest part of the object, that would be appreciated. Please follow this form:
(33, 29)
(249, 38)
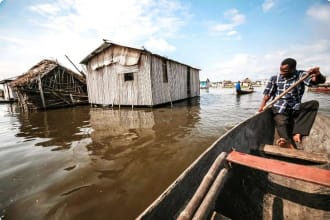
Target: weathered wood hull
(242, 92)
(248, 193)
(319, 89)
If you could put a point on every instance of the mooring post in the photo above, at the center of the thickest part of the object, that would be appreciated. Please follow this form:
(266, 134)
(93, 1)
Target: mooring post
(41, 93)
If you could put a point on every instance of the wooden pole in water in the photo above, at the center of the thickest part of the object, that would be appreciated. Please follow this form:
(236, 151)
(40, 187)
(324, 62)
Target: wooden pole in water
(41, 93)
(204, 186)
(209, 201)
(81, 72)
(7, 86)
(169, 84)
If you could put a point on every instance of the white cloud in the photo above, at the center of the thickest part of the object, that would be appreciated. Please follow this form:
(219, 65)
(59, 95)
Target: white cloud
(129, 21)
(319, 17)
(231, 33)
(267, 5)
(76, 27)
(45, 9)
(320, 12)
(223, 27)
(229, 28)
(235, 16)
(159, 45)
(13, 40)
(262, 66)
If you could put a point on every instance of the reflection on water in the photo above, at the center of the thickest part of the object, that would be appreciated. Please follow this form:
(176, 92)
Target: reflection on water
(59, 127)
(83, 163)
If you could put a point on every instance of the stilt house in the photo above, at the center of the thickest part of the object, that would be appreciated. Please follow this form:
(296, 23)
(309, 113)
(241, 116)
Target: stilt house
(50, 85)
(120, 75)
(8, 94)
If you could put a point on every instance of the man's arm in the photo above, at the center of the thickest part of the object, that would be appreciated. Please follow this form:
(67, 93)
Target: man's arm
(263, 102)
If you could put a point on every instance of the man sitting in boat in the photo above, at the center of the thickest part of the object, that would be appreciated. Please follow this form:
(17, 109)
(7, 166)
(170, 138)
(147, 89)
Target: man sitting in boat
(293, 119)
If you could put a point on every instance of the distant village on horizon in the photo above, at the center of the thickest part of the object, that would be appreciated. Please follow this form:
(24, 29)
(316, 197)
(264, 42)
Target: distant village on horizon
(245, 83)
(231, 84)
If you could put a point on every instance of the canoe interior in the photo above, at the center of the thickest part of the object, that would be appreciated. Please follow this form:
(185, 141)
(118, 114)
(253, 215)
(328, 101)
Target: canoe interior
(247, 136)
(253, 194)
(248, 193)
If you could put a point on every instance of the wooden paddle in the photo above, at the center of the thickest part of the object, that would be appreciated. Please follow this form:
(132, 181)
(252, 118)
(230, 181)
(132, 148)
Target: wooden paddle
(285, 92)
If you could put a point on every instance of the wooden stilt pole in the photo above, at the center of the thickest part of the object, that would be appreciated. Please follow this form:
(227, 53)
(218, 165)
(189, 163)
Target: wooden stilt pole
(72, 101)
(132, 97)
(41, 92)
(169, 86)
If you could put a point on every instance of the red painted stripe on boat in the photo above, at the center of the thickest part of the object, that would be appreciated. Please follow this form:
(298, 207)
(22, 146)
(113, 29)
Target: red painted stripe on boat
(301, 172)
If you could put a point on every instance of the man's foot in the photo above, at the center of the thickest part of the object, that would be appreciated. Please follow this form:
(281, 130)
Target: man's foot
(282, 142)
(297, 138)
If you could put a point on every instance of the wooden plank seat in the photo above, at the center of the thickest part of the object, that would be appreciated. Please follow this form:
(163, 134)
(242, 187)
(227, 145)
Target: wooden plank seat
(297, 154)
(301, 172)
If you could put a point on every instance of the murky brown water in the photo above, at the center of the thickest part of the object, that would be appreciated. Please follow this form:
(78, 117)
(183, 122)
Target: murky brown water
(94, 163)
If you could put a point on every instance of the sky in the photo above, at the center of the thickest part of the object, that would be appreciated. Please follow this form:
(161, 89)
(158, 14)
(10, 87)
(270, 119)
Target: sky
(226, 39)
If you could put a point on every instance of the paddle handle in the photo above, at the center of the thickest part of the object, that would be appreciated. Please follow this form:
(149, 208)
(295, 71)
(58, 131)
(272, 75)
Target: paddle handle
(285, 92)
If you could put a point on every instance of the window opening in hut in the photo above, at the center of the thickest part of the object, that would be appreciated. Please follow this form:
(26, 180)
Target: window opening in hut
(165, 74)
(128, 76)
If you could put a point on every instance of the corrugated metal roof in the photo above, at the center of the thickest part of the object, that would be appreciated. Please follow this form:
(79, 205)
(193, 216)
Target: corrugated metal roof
(106, 44)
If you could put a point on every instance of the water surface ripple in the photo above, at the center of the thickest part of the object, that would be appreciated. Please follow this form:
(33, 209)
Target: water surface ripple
(95, 163)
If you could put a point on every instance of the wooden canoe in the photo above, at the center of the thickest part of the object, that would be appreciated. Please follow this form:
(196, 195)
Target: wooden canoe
(255, 181)
(242, 92)
(319, 89)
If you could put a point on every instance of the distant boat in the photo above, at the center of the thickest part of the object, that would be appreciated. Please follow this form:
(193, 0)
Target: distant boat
(320, 88)
(242, 92)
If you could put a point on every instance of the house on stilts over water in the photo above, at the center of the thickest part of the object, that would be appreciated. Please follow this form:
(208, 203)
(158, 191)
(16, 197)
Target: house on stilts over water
(120, 75)
(50, 85)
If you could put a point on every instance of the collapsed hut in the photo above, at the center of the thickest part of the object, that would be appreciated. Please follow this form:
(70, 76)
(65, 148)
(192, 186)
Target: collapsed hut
(120, 75)
(50, 85)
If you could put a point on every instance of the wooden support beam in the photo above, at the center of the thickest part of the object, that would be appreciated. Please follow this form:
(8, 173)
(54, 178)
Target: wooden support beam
(202, 189)
(61, 97)
(301, 172)
(208, 203)
(297, 154)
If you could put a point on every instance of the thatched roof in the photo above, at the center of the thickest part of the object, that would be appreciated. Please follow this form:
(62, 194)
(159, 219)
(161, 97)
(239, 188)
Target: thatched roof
(42, 68)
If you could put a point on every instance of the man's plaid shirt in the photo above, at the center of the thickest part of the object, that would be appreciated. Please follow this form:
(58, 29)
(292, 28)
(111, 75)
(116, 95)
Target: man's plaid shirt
(291, 101)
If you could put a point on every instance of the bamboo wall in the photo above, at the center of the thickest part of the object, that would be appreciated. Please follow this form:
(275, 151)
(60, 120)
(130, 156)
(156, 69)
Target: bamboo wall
(106, 85)
(194, 82)
(176, 87)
